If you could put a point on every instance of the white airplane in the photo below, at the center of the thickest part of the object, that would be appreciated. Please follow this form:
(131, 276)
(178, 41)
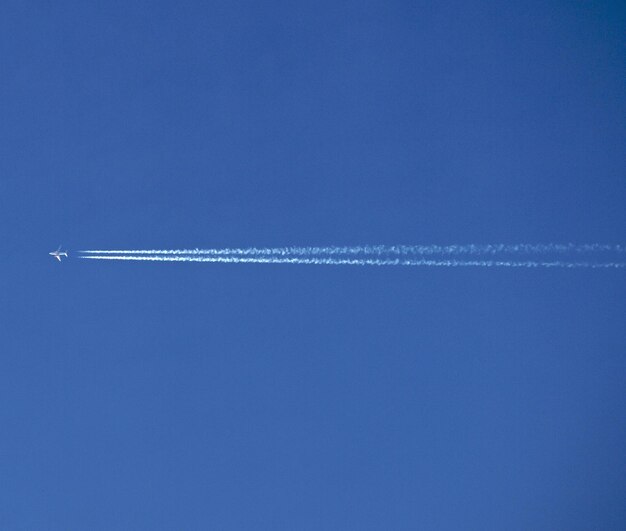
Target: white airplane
(58, 253)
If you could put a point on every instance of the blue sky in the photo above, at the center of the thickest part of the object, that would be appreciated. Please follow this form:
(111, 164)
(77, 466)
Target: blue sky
(197, 396)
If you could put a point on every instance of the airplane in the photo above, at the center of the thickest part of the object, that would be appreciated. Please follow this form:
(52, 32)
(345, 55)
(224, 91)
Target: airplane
(58, 254)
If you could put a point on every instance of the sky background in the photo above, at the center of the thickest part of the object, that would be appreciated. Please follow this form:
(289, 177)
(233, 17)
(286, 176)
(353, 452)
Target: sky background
(220, 396)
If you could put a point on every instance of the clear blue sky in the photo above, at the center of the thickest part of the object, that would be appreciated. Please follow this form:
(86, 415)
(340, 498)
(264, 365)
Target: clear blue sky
(201, 396)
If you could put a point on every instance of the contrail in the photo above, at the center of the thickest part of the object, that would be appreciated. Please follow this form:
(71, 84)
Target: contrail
(383, 250)
(356, 261)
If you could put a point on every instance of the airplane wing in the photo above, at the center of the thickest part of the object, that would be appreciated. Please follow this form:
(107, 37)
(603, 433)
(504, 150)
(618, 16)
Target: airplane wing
(57, 257)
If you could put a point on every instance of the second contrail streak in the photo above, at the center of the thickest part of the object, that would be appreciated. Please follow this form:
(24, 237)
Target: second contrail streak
(356, 261)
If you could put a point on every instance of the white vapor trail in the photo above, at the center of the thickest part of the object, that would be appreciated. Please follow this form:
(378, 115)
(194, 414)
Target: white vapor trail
(382, 250)
(354, 261)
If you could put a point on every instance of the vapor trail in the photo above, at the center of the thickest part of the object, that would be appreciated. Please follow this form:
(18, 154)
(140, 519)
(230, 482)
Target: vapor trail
(383, 250)
(356, 261)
